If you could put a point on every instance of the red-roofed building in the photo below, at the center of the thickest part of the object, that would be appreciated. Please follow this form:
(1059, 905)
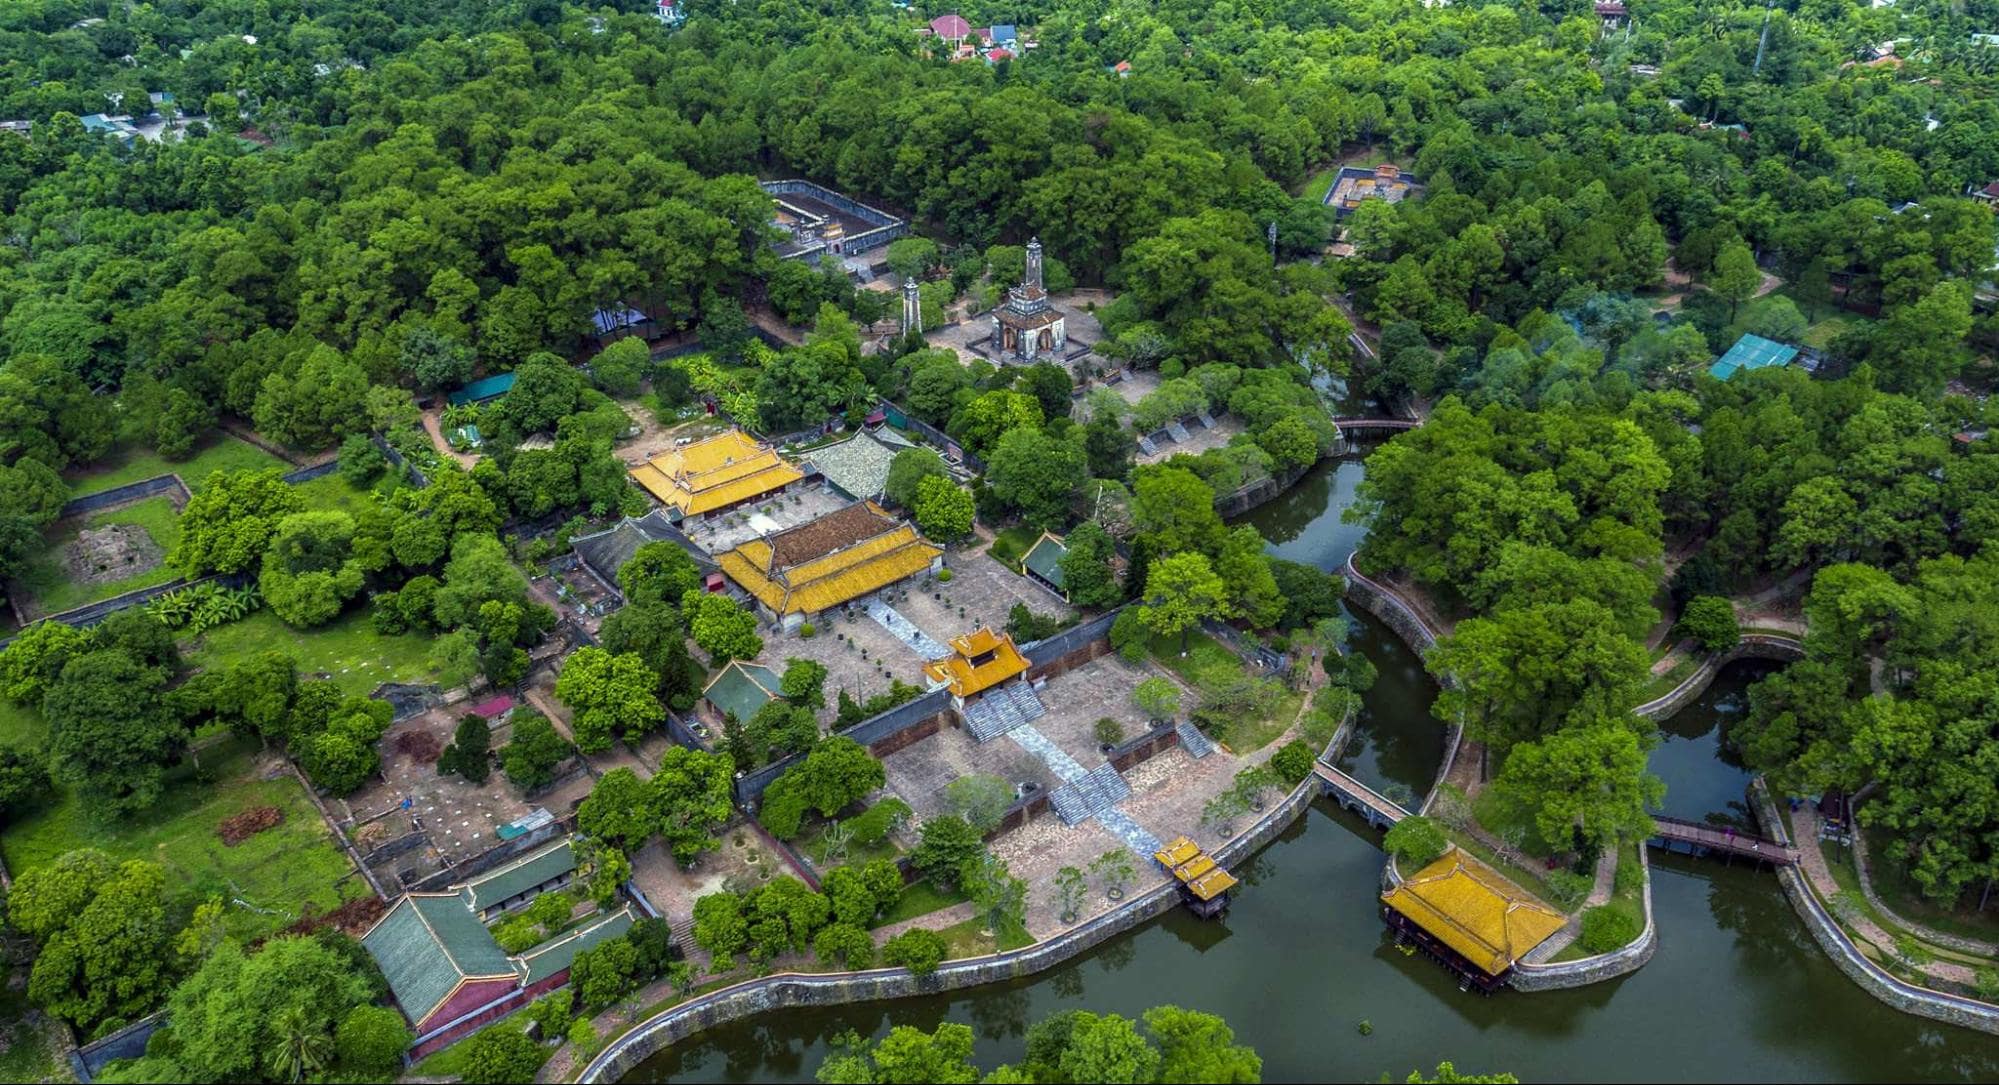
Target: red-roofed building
(1989, 195)
(951, 28)
(994, 56)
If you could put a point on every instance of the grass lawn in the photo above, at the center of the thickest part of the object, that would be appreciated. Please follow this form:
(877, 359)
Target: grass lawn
(1662, 684)
(813, 843)
(1012, 545)
(1504, 819)
(24, 1051)
(21, 727)
(919, 898)
(276, 872)
(970, 939)
(220, 453)
(347, 650)
(1210, 662)
(1627, 895)
(333, 492)
(47, 579)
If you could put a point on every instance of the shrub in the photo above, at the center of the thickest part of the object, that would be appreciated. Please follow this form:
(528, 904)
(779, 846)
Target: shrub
(1416, 842)
(1608, 927)
(1568, 888)
(1293, 762)
(806, 631)
(1109, 732)
(916, 949)
(502, 1054)
(517, 934)
(872, 826)
(944, 576)
(552, 1014)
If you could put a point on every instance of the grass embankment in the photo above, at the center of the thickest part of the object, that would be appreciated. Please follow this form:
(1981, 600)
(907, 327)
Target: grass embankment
(972, 939)
(220, 453)
(918, 899)
(1208, 663)
(46, 577)
(346, 650)
(1627, 897)
(271, 876)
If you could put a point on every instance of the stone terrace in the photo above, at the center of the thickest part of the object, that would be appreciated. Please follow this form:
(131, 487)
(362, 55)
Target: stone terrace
(837, 643)
(917, 773)
(984, 587)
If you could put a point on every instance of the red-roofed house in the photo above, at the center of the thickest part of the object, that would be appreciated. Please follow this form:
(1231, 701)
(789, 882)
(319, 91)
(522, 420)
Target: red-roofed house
(951, 28)
(1989, 195)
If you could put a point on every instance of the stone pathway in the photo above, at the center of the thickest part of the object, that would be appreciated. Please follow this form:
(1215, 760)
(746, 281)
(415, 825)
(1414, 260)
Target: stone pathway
(904, 630)
(1811, 860)
(1088, 783)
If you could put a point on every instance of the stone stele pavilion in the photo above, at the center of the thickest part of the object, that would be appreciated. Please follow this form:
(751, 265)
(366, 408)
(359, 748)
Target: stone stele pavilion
(1465, 914)
(1028, 327)
(715, 474)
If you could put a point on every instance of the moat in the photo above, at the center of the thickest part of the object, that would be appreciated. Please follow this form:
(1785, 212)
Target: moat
(1736, 991)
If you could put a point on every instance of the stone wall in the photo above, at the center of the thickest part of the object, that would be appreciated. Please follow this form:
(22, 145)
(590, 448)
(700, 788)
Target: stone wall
(1752, 646)
(1826, 931)
(1603, 966)
(784, 991)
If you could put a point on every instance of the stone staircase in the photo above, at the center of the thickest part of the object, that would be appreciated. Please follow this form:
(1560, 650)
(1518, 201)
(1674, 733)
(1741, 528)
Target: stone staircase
(1192, 740)
(683, 933)
(1178, 431)
(1131, 832)
(1002, 709)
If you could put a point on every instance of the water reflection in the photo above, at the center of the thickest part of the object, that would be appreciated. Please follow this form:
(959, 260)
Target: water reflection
(1705, 781)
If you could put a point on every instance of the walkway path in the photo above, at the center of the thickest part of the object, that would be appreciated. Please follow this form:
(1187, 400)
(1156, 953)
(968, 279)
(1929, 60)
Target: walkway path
(1811, 860)
(904, 630)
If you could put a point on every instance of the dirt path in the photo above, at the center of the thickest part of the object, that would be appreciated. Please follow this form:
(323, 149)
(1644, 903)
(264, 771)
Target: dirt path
(433, 424)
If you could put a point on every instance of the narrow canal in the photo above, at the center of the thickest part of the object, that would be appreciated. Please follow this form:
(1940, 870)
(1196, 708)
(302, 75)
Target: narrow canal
(1737, 989)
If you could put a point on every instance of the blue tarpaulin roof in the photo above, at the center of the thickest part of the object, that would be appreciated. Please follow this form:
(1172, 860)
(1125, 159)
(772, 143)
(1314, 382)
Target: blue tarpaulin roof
(483, 389)
(1752, 352)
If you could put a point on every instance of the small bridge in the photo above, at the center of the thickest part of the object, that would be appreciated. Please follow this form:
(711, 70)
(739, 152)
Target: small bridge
(1350, 793)
(1376, 423)
(1693, 838)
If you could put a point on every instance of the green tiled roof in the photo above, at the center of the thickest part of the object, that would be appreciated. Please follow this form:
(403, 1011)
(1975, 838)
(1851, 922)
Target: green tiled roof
(518, 876)
(1752, 352)
(545, 961)
(742, 688)
(1045, 558)
(427, 945)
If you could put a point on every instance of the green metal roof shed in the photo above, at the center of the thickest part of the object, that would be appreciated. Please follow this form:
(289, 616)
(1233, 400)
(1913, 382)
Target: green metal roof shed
(1752, 352)
(483, 389)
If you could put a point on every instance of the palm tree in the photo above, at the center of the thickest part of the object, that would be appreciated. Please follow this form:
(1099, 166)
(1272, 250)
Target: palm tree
(303, 1047)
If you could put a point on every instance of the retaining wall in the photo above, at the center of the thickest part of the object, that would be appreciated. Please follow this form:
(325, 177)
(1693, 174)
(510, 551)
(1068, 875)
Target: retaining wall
(1826, 931)
(784, 991)
(131, 491)
(1752, 646)
(1581, 973)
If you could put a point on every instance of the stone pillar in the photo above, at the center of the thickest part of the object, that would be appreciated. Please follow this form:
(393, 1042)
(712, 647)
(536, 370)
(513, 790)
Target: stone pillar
(1033, 276)
(912, 307)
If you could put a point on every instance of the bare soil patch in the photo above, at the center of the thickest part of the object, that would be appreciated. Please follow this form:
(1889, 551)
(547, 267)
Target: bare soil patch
(114, 552)
(240, 827)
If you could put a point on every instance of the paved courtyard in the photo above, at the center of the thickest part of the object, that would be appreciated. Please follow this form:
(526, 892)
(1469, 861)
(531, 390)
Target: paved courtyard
(1199, 440)
(986, 590)
(859, 655)
(720, 534)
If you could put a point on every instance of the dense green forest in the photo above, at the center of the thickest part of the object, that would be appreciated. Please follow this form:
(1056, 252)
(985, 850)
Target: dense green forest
(379, 198)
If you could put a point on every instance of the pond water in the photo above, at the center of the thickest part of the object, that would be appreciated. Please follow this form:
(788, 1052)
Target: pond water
(1737, 989)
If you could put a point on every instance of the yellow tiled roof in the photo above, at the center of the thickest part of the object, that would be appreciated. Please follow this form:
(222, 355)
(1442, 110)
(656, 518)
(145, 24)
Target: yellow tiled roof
(834, 579)
(1212, 884)
(1178, 851)
(714, 473)
(966, 678)
(1469, 907)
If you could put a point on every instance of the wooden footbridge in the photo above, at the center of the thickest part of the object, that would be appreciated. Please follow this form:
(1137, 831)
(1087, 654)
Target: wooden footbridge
(1693, 838)
(1371, 805)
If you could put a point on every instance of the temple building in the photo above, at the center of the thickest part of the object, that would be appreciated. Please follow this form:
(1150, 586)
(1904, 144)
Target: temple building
(1467, 915)
(979, 660)
(1028, 327)
(715, 474)
(842, 556)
